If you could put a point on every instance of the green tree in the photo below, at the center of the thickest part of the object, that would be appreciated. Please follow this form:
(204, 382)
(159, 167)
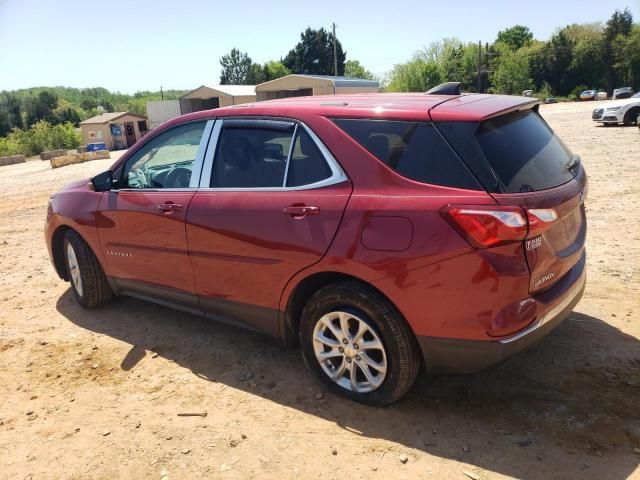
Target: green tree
(236, 66)
(511, 72)
(314, 54)
(41, 106)
(616, 30)
(515, 37)
(558, 57)
(65, 113)
(459, 63)
(537, 55)
(14, 110)
(417, 75)
(5, 124)
(255, 75)
(89, 104)
(620, 23)
(274, 69)
(588, 65)
(10, 112)
(629, 63)
(354, 69)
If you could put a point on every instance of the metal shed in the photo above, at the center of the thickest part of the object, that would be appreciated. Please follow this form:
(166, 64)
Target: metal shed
(299, 85)
(216, 96)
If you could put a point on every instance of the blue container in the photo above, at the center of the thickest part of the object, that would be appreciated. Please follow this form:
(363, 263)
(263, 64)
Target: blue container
(93, 147)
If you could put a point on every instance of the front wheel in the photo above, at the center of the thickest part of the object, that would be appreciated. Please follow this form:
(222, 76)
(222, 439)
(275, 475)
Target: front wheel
(355, 342)
(88, 281)
(631, 117)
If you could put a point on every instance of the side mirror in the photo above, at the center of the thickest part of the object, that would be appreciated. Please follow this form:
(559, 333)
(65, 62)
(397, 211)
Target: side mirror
(103, 182)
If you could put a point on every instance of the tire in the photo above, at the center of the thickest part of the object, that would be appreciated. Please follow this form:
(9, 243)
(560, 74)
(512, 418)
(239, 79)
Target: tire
(365, 309)
(88, 281)
(631, 117)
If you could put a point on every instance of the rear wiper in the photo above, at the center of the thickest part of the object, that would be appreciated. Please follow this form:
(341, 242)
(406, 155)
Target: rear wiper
(573, 163)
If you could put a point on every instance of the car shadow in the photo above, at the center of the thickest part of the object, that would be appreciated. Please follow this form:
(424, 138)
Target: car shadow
(618, 125)
(569, 406)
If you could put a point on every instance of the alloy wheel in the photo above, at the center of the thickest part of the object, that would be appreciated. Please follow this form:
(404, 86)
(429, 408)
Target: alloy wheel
(74, 268)
(350, 352)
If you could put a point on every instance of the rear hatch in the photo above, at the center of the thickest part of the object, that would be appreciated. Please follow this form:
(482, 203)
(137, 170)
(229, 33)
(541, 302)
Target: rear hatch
(522, 163)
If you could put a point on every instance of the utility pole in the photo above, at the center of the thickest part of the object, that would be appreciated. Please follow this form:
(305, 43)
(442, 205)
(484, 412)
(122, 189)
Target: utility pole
(479, 66)
(161, 92)
(335, 54)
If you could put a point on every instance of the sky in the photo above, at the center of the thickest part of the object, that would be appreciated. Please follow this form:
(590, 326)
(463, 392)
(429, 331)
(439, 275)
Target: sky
(136, 45)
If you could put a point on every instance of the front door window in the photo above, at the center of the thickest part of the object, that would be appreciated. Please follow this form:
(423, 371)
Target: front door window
(166, 161)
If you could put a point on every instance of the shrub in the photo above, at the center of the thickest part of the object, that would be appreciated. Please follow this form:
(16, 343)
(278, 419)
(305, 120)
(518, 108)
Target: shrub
(545, 91)
(40, 137)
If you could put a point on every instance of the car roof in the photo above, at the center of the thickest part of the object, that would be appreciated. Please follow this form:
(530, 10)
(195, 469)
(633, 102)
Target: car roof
(399, 106)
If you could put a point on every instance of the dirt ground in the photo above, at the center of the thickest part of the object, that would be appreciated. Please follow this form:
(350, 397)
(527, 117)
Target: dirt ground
(96, 393)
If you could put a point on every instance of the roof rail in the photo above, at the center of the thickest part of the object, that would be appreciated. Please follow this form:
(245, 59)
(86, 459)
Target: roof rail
(447, 88)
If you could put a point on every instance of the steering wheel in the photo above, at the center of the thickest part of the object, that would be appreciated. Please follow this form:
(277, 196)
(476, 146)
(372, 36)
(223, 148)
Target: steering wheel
(179, 177)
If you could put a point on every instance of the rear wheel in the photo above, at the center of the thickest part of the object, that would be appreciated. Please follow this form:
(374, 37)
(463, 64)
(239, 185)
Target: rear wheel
(356, 343)
(631, 117)
(88, 281)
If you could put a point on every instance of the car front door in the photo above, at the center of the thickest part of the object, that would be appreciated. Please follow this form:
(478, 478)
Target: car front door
(142, 222)
(270, 201)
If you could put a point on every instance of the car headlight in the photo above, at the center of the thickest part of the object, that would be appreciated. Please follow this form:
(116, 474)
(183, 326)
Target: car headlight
(613, 109)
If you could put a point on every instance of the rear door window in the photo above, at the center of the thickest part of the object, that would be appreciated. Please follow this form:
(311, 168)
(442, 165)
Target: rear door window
(524, 152)
(251, 156)
(307, 164)
(267, 154)
(413, 149)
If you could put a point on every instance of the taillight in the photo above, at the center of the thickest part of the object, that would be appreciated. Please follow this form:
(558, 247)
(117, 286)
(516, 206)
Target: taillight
(493, 225)
(488, 226)
(540, 219)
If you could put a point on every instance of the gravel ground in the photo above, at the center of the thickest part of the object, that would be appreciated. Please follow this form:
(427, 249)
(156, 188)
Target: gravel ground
(96, 393)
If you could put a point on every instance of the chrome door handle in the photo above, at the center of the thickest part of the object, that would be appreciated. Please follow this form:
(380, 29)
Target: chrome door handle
(169, 207)
(301, 210)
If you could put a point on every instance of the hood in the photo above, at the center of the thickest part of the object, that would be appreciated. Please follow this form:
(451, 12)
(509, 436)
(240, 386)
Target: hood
(621, 103)
(76, 184)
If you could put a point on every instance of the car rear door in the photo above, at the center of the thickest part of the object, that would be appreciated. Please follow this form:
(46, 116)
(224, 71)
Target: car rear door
(141, 223)
(271, 198)
(536, 171)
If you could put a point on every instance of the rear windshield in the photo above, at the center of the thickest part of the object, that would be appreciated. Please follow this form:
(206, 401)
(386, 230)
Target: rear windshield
(524, 152)
(413, 149)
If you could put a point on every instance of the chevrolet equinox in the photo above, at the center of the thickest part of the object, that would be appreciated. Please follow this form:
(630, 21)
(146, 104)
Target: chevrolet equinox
(385, 233)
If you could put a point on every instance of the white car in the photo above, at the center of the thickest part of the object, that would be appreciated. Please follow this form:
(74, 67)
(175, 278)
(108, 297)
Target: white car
(619, 111)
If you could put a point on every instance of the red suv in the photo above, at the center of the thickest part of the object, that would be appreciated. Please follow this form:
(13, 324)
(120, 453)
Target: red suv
(383, 232)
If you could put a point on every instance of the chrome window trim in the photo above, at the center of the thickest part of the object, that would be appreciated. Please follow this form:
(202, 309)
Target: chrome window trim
(196, 169)
(207, 166)
(252, 122)
(289, 153)
(155, 190)
(337, 173)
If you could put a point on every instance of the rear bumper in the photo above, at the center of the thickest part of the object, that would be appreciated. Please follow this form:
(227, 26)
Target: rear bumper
(446, 355)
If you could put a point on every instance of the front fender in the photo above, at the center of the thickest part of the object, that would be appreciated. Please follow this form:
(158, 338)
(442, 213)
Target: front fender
(77, 209)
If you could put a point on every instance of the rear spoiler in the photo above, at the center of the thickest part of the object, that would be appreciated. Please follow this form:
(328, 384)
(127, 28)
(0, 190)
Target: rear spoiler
(533, 105)
(478, 107)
